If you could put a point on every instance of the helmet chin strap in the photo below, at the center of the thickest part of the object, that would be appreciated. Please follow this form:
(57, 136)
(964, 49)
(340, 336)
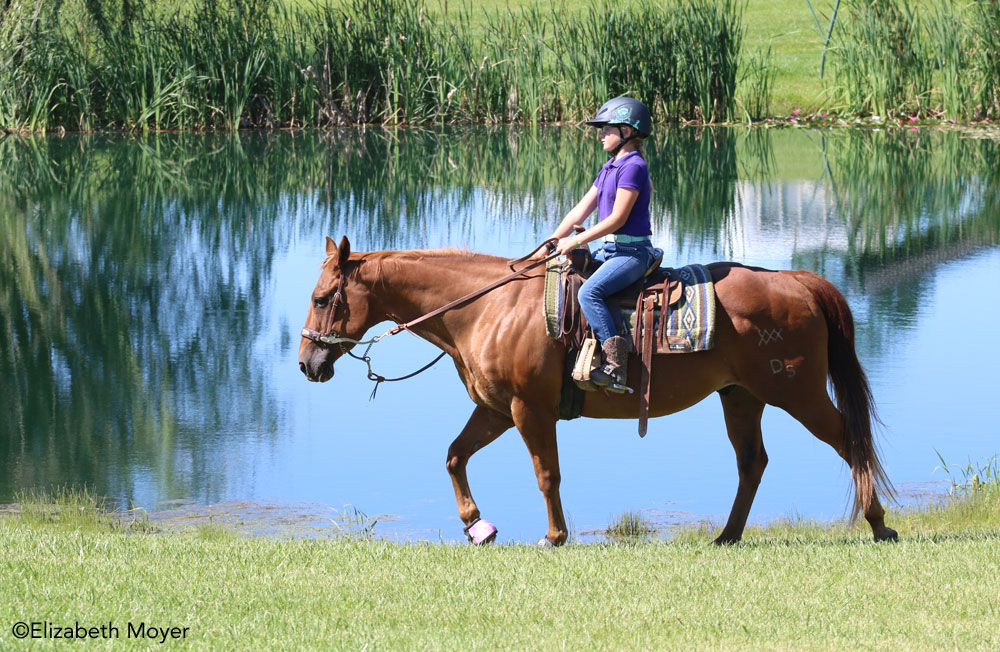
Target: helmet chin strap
(622, 140)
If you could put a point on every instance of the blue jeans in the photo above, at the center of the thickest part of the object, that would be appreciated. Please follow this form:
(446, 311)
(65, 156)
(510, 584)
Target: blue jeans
(624, 264)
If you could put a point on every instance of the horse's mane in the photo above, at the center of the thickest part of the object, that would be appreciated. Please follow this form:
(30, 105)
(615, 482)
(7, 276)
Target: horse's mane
(416, 254)
(412, 254)
(382, 259)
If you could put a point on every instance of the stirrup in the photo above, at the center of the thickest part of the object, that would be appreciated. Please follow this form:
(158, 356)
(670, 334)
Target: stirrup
(611, 386)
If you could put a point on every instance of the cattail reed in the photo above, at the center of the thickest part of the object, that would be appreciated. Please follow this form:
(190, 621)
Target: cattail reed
(899, 58)
(230, 64)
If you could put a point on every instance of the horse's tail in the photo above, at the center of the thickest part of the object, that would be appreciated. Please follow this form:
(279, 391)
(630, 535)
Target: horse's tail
(853, 394)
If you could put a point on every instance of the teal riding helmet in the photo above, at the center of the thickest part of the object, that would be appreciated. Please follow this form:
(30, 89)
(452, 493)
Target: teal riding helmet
(624, 111)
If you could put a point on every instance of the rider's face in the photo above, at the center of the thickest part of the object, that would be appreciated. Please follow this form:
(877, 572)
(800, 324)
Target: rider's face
(613, 135)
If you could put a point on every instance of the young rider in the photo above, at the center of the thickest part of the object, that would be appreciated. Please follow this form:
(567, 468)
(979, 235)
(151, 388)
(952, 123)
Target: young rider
(621, 196)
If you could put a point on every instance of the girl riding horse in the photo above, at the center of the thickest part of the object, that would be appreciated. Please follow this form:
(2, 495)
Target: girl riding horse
(621, 196)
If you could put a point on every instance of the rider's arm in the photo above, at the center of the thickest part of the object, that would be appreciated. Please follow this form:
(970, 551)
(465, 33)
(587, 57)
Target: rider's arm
(624, 200)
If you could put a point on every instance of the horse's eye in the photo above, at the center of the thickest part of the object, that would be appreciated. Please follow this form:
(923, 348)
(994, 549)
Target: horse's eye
(321, 302)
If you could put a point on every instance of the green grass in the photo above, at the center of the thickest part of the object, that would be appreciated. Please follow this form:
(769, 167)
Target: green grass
(788, 586)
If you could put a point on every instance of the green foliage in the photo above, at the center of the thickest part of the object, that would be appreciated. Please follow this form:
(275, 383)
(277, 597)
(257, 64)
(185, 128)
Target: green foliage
(893, 59)
(354, 523)
(985, 25)
(134, 65)
(757, 85)
(882, 65)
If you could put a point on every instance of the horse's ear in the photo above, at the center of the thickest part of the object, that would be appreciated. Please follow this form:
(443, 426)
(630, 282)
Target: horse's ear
(344, 249)
(331, 246)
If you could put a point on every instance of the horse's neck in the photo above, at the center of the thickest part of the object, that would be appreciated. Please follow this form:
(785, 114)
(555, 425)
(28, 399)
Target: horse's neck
(412, 284)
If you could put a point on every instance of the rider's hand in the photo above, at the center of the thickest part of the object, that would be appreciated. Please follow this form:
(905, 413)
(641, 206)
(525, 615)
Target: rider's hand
(568, 244)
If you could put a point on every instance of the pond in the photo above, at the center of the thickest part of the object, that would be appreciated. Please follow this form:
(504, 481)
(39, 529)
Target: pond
(152, 290)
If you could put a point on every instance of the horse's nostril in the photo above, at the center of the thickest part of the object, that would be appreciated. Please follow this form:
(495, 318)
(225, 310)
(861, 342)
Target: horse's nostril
(302, 367)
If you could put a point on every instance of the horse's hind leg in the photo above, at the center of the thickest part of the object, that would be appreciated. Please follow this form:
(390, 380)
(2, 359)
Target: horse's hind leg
(743, 412)
(538, 429)
(819, 415)
(484, 426)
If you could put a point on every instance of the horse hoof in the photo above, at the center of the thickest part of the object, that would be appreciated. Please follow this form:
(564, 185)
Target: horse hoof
(480, 532)
(887, 534)
(545, 543)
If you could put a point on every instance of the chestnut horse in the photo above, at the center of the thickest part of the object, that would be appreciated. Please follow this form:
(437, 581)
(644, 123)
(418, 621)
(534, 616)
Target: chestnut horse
(779, 336)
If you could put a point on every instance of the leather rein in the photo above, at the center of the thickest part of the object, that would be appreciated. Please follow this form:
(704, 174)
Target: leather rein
(331, 337)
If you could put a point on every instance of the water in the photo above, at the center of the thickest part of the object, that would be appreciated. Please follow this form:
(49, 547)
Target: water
(151, 292)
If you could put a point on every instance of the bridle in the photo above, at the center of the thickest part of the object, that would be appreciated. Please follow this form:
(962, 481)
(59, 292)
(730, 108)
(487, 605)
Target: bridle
(328, 335)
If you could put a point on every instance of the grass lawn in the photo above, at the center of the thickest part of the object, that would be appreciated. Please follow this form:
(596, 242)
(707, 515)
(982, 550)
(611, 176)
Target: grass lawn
(796, 47)
(788, 586)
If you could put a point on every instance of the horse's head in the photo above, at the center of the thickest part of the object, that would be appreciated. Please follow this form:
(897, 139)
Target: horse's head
(338, 309)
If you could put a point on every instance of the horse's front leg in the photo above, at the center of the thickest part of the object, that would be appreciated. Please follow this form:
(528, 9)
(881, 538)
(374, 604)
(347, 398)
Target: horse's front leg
(538, 428)
(484, 426)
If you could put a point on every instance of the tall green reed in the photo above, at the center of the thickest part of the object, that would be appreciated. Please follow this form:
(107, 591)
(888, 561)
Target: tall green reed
(950, 49)
(986, 58)
(136, 65)
(897, 57)
(756, 80)
(977, 478)
(882, 63)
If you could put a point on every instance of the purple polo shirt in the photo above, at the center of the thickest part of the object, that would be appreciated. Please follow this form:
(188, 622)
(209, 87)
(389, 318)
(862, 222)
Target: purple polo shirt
(630, 171)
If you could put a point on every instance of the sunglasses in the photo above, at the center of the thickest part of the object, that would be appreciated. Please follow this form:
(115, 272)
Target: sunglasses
(612, 129)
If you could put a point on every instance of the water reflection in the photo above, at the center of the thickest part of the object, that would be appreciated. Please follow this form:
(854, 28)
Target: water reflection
(145, 321)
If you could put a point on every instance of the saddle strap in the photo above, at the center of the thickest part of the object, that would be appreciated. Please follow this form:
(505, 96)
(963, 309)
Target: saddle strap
(646, 338)
(572, 328)
(661, 337)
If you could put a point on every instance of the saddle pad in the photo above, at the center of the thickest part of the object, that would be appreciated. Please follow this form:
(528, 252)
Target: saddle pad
(693, 317)
(552, 305)
(554, 310)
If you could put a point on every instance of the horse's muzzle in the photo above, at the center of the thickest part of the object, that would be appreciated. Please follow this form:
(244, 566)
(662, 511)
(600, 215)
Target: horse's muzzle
(317, 365)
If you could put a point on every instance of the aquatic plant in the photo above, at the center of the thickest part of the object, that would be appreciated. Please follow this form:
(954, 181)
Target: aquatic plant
(882, 66)
(985, 25)
(352, 523)
(977, 478)
(897, 57)
(136, 65)
(629, 527)
(757, 81)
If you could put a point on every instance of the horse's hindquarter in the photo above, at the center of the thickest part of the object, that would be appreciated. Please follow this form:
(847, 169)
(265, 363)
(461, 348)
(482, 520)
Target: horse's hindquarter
(770, 336)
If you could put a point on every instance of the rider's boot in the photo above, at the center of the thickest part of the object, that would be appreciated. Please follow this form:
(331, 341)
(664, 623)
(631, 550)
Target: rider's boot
(613, 374)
